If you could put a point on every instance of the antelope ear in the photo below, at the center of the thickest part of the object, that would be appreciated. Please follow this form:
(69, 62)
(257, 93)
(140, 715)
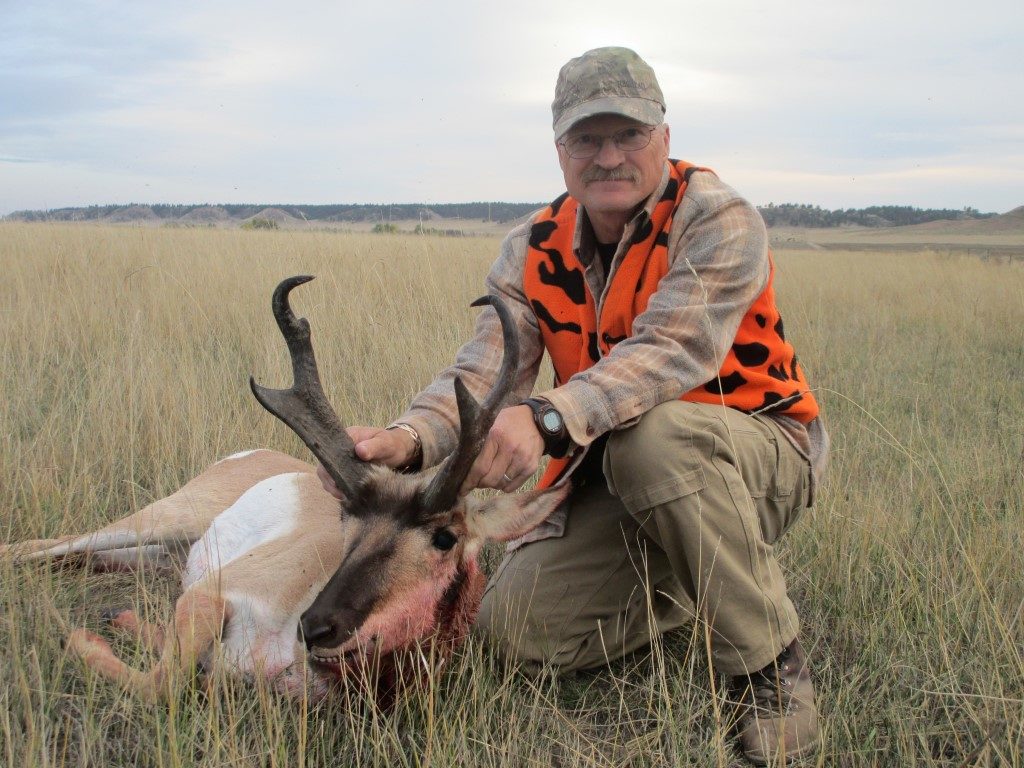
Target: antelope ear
(511, 515)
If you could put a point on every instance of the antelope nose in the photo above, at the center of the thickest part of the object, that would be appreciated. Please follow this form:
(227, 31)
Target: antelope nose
(311, 632)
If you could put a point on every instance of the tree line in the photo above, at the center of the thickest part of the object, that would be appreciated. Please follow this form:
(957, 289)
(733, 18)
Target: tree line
(775, 215)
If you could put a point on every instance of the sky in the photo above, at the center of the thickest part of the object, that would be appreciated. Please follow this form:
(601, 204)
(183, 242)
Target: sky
(837, 104)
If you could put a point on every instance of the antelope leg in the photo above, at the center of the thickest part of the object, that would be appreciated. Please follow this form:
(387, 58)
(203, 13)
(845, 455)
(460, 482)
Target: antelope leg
(151, 635)
(153, 557)
(117, 536)
(22, 550)
(199, 618)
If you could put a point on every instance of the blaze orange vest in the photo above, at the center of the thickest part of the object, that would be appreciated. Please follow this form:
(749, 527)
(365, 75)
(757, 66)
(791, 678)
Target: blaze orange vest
(760, 372)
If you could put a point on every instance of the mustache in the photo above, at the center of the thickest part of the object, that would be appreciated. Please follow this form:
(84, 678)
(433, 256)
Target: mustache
(596, 173)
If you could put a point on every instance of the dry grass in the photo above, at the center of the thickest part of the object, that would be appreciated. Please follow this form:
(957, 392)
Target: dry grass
(123, 362)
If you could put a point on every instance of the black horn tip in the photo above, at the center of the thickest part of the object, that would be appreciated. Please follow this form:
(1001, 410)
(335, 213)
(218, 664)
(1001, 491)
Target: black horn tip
(282, 310)
(260, 393)
(497, 302)
(464, 396)
(285, 287)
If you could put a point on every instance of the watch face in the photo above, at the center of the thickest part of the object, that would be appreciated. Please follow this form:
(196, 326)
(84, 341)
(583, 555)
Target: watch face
(552, 422)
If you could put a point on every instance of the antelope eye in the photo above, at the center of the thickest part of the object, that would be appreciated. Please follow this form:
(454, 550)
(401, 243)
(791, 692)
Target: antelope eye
(444, 539)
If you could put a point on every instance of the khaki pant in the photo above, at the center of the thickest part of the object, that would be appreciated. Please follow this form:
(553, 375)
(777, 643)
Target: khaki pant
(696, 496)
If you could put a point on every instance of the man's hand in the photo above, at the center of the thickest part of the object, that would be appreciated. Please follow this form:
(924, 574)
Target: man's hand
(392, 447)
(511, 453)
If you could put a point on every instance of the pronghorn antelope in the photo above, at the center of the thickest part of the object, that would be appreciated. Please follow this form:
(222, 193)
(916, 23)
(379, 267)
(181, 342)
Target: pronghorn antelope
(284, 581)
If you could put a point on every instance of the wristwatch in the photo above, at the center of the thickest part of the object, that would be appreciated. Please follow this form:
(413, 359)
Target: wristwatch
(550, 425)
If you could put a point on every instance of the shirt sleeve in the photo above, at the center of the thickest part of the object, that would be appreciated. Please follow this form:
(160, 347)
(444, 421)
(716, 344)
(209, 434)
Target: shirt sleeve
(718, 267)
(433, 413)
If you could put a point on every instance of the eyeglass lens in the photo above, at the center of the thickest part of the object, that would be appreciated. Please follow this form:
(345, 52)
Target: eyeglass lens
(589, 144)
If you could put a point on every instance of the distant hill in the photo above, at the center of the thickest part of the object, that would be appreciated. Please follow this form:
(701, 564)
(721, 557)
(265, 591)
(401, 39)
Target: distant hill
(276, 215)
(790, 215)
(283, 214)
(1000, 236)
(206, 214)
(298, 216)
(1011, 222)
(132, 213)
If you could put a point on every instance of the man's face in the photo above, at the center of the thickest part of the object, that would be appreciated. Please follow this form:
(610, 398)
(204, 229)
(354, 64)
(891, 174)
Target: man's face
(633, 175)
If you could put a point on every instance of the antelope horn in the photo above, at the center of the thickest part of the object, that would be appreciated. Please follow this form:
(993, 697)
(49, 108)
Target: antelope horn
(475, 420)
(304, 407)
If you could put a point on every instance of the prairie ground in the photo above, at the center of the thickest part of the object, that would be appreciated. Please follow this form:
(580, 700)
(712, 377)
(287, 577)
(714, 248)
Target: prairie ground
(124, 355)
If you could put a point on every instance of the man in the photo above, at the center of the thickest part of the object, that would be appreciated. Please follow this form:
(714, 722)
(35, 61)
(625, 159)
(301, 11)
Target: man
(679, 410)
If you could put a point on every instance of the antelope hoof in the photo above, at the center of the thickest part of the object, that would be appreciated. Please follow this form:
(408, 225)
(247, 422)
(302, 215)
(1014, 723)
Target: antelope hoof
(111, 615)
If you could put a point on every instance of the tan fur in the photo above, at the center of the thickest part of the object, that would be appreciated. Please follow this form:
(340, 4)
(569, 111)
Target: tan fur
(151, 635)
(176, 520)
(293, 564)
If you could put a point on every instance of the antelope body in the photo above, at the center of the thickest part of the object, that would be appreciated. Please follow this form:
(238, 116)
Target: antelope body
(282, 580)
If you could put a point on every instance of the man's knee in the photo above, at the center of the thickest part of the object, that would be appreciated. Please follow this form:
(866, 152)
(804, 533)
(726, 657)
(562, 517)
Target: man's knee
(726, 458)
(504, 611)
(661, 457)
(522, 625)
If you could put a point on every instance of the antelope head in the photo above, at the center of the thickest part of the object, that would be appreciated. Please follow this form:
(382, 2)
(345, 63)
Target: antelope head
(411, 540)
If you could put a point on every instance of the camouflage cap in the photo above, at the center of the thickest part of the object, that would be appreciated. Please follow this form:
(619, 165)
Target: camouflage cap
(603, 81)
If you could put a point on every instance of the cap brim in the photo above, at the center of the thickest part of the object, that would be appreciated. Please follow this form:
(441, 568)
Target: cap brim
(644, 110)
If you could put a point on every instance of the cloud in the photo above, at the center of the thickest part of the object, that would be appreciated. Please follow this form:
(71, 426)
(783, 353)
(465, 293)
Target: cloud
(404, 101)
(940, 183)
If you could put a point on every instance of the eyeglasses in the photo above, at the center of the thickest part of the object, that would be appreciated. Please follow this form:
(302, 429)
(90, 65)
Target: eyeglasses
(585, 145)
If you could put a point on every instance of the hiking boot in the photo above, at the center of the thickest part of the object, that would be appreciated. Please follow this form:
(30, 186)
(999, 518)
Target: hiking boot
(777, 713)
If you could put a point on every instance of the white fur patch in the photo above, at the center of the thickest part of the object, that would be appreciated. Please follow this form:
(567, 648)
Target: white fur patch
(256, 641)
(239, 455)
(261, 639)
(267, 511)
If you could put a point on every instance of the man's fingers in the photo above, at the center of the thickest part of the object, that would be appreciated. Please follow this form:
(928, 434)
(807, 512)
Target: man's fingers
(508, 471)
(517, 480)
(359, 434)
(365, 439)
(508, 479)
(480, 467)
(519, 469)
(385, 447)
(499, 475)
(371, 444)
(511, 453)
(374, 448)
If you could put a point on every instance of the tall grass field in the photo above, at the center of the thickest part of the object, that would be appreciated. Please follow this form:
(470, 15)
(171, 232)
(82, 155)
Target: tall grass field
(124, 360)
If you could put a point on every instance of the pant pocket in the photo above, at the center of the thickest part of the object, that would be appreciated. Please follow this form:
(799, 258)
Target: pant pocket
(789, 470)
(669, 489)
(786, 500)
(755, 457)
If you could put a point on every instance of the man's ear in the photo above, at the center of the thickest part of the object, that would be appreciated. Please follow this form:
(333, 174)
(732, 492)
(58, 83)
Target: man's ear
(511, 515)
